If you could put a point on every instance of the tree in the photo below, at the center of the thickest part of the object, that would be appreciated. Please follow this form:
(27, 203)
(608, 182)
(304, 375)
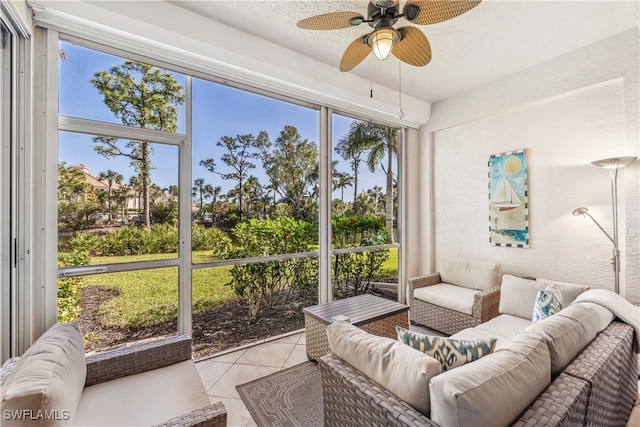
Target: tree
(341, 181)
(141, 96)
(379, 143)
(348, 153)
(111, 177)
(201, 192)
(241, 150)
(292, 166)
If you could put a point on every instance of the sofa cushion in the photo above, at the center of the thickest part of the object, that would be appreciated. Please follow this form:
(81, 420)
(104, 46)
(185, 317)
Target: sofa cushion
(505, 325)
(397, 367)
(494, 390)
(475, 333)
(49, 377)
(547, 303)
(570, 331)
(449, 296)
(450, 352)
(517, 294)
(143, 399)
(472, 274)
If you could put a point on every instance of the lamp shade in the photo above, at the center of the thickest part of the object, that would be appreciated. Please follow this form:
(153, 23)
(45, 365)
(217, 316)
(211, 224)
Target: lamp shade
(614, 162)
(382, 41)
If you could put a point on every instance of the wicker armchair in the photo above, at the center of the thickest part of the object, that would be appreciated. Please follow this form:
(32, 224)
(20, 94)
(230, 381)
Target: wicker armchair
(447, 319)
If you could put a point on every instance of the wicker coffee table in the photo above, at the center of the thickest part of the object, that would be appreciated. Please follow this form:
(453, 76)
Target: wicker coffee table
(373, 314)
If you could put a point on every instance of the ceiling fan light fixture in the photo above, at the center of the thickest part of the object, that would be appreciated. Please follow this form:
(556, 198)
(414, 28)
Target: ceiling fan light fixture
(382, 41)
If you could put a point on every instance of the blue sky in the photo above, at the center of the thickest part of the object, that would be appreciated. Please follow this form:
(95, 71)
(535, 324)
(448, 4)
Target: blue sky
(218, 111)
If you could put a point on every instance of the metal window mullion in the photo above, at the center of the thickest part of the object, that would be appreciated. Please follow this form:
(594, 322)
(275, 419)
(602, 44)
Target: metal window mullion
(95, 127)
(402, 289)
(324, 238)
(185, 284)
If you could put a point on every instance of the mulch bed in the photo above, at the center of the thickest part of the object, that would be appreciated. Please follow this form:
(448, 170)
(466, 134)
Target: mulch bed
(222, 328)
(215, 330)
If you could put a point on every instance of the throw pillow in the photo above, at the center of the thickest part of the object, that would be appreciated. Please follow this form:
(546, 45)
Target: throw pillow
(450, 352)
(548, 302)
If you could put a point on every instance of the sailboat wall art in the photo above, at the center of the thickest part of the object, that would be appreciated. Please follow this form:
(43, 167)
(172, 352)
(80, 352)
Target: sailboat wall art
(508, 200)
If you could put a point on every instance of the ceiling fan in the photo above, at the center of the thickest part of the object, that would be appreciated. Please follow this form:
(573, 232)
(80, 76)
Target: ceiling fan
(408, 44)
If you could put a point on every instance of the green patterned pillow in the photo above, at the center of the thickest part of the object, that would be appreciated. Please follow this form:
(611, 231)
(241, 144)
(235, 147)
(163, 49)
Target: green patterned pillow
(450, 352)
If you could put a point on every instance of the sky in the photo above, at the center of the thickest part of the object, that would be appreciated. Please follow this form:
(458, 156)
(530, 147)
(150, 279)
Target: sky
(218, 111)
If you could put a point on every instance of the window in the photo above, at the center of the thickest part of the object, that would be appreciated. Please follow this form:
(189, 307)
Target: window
(230, 209)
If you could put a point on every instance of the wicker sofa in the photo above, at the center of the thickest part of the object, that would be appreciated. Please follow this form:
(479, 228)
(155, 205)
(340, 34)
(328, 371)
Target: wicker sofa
(462, 295)
(577, 367)
(150, 383)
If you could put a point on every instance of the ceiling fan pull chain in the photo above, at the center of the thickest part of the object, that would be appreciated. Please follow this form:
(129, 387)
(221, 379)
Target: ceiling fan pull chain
(400, 113)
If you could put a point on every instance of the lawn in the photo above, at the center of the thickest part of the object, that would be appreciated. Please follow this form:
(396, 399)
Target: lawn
(147, 297)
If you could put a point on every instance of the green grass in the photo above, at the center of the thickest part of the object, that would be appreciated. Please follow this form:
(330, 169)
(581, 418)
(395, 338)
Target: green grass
(390, 267)
(149, 297)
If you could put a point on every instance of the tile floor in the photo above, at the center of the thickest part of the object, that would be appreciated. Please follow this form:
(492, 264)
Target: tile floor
(221, 374)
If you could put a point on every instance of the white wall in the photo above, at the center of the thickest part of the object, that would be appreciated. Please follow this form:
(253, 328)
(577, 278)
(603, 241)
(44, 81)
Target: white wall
(567, 112)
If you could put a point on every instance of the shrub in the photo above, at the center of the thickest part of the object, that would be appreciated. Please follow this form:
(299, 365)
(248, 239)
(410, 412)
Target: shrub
(69, 287)
(261, 282)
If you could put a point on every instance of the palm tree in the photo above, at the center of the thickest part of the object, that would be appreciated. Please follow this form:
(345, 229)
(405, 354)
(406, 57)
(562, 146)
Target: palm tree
(341, 180)
(379, 143)
(201, 191)
(111, 178)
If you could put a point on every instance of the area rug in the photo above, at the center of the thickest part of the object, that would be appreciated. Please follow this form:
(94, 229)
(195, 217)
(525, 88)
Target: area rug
(291, 397)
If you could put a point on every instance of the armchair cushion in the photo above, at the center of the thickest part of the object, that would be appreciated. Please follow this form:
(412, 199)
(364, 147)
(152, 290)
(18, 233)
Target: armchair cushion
(502, 327)
(166, 393)
(49, 377)
(448, 296)
(471, 274)
(397, 367)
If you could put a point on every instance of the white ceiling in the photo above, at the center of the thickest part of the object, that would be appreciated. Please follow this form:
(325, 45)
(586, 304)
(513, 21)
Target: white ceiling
(493, 40)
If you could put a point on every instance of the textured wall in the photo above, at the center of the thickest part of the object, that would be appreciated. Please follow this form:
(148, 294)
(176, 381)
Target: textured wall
(567, 112)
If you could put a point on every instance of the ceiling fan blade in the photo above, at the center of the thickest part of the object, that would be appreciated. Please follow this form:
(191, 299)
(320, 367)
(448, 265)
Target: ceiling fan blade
(433, 11)
(413, 48)
(331, 21)
(355, 53)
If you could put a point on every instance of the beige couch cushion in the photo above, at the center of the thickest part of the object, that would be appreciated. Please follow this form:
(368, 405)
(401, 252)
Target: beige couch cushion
(494, 390)
(448, 296)
(144, 399)
(501, 327)
(517, 295)
(402, 370)
(49, 376)
(472, 274)
(570, 331)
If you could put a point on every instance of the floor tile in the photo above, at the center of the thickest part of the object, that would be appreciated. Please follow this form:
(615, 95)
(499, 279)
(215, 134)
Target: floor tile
(291, 339)
(230, 357)
(298, 355)
(303, 339)
(238, 374)
(211, 371)
(267, 354)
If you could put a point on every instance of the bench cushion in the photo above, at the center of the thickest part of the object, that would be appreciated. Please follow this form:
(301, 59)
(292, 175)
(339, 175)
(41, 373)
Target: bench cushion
(144, 399)
(472, 274)
(402, 370)
(502, 328)
(449, 296)
(48, 377)
(494, 390)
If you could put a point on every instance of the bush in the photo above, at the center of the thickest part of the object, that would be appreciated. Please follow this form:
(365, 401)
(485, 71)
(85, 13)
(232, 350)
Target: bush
(158, 239)
(354, 273)
(69, 301)
(261, 282)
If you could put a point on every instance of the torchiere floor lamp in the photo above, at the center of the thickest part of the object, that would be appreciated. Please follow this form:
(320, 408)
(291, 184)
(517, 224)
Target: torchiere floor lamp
(613, 164)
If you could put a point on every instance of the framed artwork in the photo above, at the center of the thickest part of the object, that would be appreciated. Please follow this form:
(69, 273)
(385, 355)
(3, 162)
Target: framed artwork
(508, 200)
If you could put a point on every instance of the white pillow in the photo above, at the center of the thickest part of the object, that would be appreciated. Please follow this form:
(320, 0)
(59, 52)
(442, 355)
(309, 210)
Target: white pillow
(397, 367)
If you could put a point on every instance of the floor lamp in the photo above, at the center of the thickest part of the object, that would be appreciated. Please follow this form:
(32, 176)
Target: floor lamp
(613, 164)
